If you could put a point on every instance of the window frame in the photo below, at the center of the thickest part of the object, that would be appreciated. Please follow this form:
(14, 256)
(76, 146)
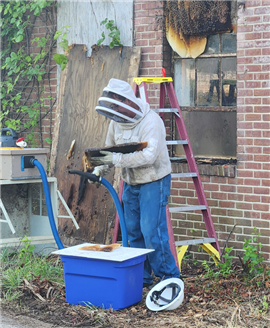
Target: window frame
(219, 55)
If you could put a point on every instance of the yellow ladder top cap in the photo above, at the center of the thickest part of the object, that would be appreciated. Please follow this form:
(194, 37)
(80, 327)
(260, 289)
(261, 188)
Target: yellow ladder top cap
(148, 79)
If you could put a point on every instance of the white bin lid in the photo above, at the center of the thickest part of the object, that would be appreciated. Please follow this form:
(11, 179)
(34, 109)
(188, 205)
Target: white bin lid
(118, 255)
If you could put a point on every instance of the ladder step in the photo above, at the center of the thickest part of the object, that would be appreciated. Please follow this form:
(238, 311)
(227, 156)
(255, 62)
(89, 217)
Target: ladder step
(195, 241)
(167, 110)
(176, 142)
(178, 158)
(184, 175)
(187, 208)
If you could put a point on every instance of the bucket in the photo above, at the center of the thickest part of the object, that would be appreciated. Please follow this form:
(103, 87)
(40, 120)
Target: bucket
(8, 137)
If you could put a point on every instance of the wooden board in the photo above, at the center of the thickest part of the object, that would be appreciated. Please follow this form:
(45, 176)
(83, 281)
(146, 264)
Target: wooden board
(121, 148)
(81, 85)
(83, 16)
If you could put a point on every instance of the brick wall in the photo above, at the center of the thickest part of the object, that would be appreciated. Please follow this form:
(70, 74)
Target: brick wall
(253, 115)
(237, 195)
(41, 29)
(149, 35)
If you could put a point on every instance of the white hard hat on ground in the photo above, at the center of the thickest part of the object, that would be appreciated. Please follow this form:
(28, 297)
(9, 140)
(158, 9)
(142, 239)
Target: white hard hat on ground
(166, 295)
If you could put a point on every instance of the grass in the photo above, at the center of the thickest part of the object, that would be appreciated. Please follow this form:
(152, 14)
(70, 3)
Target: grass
(25, 264)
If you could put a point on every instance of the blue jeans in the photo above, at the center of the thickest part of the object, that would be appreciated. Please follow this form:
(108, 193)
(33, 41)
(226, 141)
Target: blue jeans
(145, 216)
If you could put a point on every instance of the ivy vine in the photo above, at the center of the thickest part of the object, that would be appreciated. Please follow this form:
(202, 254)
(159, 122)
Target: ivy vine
(26, 93)
(114, 34)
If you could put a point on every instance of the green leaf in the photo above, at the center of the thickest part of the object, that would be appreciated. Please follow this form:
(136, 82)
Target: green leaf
(57, 34)
(19, 38)
(59, 59)
(99, 42)
(64, 44)
(104, 21)
(48, 140)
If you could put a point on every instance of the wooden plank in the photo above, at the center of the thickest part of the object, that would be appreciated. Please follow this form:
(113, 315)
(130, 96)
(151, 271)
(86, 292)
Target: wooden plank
(84, 18)
(77, 119)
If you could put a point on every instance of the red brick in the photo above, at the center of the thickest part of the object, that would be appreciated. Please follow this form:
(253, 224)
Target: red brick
(266, 101)
(261, 76)
(266, 166)
(248, 28)
(244, 190)
(235, 213)
(266, 51)
(253, 150)
(262, 142)
(266, 183)
(265, 216)
(266, 35)
(243, 93)
(187, 193)
(244, 125)
(221, 180)
(261, 191)
(261, 109)
(245, 157)
(237, 197)
(265, 199)
(177, 200)
(218, 211)
(245, 76)
(140, 28)
(227, 188)
(252, 198)
(261, 27)
(141, 43)
(260, 207)
(244, 174)
(262, 174)
(179, 185)
(263, 93)
(262, 158)
(253, 52)
(226, 204)
(218, 195)
(254, 101)
(261, 125)
(253, 84)
(252, 133)
(253, 3)
(211, 187)
(254, 166)
(244, 206)
(253, 68)
(244, 60)
(252, 182)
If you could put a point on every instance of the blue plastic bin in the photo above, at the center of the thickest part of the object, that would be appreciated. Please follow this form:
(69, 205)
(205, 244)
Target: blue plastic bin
(103, 283)
(109, 280)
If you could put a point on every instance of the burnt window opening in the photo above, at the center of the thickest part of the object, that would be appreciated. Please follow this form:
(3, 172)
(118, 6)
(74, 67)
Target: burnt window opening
(206, 91)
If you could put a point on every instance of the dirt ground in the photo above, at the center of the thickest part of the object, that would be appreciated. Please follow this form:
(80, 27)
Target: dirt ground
(230, 303)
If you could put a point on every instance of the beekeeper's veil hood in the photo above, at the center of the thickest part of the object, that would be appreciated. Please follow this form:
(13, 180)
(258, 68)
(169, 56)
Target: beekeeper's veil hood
(119, 103)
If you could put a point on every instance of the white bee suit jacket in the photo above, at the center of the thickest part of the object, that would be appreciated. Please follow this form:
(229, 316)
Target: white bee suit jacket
(150, 164)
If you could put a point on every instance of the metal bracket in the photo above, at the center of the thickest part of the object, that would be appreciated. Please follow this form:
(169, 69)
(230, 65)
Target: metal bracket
(7, 220)
(68, 210)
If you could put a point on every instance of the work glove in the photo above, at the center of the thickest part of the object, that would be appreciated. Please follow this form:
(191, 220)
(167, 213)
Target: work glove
(103, 160)
(99, 171)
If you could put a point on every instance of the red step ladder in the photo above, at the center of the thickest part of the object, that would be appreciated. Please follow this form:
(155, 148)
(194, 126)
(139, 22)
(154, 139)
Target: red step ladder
(210, 244)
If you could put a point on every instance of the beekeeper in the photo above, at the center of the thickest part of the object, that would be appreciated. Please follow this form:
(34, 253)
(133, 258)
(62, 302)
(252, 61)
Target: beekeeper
(146, 174)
